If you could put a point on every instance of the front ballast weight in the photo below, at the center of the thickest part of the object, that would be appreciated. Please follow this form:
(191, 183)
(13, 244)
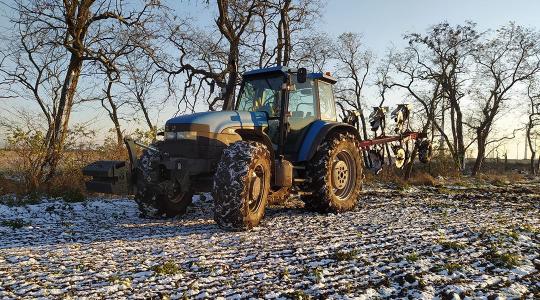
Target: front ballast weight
(115, 176)
(108, 177)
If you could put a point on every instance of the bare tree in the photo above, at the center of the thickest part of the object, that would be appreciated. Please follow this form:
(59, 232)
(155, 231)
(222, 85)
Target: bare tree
(410, 75)
(443, 56)
(354, 65)
(248, 34)
(314, 52)
(511, 57)
(112, 106)
(208, 57)
(383, 75)
(295, 19)
(533, 95)
(142, 84)
(52, 45)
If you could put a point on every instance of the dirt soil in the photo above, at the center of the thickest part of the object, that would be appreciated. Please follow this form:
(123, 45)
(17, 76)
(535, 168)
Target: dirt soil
(448, 242)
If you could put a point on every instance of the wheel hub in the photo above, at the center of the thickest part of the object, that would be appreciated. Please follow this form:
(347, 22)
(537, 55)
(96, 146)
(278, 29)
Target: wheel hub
(256, 187)
(340, 175)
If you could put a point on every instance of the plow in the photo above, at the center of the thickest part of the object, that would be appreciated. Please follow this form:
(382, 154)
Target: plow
(283, 138)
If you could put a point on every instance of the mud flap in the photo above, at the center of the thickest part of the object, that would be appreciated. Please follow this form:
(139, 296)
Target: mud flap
(108, 177)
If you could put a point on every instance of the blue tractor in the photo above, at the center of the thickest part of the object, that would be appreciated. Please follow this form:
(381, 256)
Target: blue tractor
(283, 137)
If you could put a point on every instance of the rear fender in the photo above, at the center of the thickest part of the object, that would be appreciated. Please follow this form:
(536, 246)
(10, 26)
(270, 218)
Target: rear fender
(316, 135)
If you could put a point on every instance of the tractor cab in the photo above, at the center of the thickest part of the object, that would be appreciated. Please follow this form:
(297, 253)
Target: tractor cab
(306, 100)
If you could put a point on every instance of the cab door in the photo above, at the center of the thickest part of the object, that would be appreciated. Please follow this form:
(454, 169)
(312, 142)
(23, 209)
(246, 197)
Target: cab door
(303, 112)
(327, 102)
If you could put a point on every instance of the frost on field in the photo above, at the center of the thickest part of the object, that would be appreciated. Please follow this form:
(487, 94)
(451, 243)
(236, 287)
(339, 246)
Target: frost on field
(422, 243)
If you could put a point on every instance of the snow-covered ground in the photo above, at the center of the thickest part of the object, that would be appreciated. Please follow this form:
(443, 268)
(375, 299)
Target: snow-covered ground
(423, 243)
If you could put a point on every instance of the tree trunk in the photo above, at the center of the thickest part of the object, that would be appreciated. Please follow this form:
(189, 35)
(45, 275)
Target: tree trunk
(228, 96)
(113, 114)
(456, 120)
(479, 157)
(364, 126)
(286, 33)
(283, 42)
(410, 164)
(114, 118)
(151, 126)
(532, 166)
(61, 121)
(530, 144)
(230, 86)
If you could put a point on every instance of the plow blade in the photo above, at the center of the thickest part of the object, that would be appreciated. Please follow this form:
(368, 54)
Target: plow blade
(108, 177)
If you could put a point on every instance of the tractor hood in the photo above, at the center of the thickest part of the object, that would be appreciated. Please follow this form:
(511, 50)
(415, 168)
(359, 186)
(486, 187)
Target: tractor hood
(217, 121)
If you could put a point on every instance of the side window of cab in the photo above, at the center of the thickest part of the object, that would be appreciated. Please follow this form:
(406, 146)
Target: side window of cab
(326, 101)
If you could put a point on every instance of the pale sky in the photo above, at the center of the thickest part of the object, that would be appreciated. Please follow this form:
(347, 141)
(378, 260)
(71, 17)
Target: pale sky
(381, 22)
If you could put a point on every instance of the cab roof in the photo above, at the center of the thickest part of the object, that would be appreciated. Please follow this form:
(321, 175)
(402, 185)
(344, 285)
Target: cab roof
(283, 70)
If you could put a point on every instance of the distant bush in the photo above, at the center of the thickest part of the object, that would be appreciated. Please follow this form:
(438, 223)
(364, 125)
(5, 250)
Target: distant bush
(505, 260)
(167, 268)
(346, 255)
(68, 193)
(15, 223)
(500, 179)
(23, 173)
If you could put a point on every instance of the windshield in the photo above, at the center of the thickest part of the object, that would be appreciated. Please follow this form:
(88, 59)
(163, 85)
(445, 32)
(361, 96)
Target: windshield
(261, 94)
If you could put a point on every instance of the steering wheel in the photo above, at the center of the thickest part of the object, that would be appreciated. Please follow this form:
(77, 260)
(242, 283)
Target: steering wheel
(303, 103)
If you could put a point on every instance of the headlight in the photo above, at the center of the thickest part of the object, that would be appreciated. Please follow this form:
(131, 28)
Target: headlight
(186, 135)
(170, 135)
(181, 135)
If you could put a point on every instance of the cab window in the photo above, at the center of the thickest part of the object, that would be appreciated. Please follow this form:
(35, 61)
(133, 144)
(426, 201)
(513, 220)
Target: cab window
(261, 94)
(302, 101)
(326, 99)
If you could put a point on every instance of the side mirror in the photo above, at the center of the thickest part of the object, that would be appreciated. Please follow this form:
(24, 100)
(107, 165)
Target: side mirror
(301, 75)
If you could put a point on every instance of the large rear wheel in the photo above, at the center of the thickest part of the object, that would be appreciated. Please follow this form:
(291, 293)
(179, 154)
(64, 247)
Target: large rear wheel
(157, 198)
(241, 185)
(335, 175)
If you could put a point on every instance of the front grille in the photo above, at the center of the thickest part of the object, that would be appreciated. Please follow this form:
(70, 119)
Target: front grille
(203, 147)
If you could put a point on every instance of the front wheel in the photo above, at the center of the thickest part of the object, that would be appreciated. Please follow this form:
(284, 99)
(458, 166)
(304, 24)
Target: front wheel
(241, 185)
(156, 198)
(335, 175)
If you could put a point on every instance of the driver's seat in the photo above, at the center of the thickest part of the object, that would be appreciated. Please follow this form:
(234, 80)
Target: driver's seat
(297, 114)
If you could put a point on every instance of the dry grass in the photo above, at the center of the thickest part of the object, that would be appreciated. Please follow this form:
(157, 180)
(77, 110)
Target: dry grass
(69, 181)
(396, 177)
(441, 170)
(501, 179)
(9, 186)
(440, 165)
(425, 179)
